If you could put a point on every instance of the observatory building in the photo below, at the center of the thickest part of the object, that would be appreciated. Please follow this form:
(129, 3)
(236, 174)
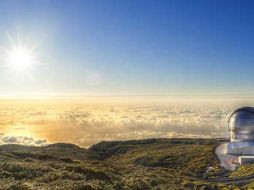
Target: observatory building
(241, 127)
(240, 149)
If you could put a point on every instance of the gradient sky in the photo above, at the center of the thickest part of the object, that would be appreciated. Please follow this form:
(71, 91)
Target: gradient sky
(141, 47)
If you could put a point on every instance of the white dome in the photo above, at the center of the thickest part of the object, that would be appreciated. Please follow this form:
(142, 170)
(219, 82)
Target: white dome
(241, 124)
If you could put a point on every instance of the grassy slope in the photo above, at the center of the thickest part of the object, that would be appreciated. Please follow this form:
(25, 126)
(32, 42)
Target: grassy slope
(144, 164)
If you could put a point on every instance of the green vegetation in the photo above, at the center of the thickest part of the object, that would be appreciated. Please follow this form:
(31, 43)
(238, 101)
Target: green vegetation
(141, 164)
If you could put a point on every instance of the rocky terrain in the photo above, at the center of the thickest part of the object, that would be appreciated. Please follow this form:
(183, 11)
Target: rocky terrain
(138, 164)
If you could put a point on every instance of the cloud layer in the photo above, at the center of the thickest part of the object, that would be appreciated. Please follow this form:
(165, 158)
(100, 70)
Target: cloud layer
(86, 124)
(30, 141)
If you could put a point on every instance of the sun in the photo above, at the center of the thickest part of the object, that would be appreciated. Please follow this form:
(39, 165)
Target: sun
(20, 58)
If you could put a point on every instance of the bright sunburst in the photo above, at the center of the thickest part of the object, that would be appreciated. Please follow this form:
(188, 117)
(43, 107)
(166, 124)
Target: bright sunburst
(20, 58)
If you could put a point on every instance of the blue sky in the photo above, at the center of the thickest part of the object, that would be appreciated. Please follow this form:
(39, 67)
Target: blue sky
(140, 47)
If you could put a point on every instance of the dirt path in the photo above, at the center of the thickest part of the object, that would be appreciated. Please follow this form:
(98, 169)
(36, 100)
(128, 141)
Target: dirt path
(232, 180)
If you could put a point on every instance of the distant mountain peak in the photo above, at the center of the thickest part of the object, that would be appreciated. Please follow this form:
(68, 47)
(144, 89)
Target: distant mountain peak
(62, 145)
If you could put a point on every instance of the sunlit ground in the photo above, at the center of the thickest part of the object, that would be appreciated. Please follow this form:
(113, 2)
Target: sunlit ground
(38, 122)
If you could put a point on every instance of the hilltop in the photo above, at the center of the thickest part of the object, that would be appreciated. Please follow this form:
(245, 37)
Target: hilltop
(136, 164)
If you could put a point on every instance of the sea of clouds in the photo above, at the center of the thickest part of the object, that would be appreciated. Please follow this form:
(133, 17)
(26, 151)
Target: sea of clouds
(39, 123)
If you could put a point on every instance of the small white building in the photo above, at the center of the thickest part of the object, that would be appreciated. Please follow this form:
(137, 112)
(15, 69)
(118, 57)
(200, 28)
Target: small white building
(241, 128)
(240, 149)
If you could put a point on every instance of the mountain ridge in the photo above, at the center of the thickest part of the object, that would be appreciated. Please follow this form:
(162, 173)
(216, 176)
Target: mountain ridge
(133, 164)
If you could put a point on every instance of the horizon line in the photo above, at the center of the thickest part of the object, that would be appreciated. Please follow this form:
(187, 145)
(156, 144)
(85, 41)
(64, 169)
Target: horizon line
(80, 96)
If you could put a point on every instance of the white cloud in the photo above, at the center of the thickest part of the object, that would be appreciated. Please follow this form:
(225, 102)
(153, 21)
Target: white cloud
(30, 141)
(86, 124)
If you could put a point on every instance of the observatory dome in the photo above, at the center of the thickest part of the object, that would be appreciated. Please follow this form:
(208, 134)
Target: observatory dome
(241, 124)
